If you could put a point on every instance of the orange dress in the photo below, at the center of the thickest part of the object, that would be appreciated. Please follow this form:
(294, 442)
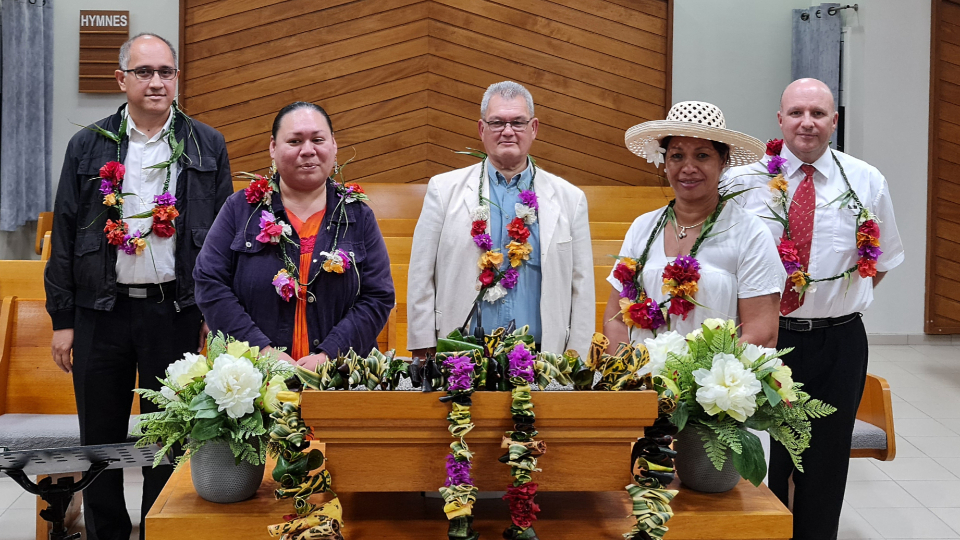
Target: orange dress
(308, 237)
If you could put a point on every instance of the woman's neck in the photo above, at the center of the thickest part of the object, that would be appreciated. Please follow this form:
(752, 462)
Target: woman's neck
(303, 202)
(694, 212)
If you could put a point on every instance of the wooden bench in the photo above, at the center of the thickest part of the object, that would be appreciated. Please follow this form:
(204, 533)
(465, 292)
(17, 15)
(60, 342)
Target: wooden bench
(44, 226)
(873, 434)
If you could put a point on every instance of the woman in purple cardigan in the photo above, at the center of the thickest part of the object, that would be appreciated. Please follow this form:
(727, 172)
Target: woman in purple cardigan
(297, 261)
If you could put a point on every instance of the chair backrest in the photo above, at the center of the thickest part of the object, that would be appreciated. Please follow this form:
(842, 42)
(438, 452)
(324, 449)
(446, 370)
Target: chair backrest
(44, 226)
(22, 278)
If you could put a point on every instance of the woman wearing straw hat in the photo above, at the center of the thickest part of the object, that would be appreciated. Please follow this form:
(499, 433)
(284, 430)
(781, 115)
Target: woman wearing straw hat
(699, 257)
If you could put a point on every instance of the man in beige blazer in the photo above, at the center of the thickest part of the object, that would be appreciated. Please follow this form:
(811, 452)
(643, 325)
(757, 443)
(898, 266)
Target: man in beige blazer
(552, 288)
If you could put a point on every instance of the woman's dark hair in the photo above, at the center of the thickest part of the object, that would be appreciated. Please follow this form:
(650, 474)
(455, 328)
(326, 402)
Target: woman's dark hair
(720, 147)
(299, 105)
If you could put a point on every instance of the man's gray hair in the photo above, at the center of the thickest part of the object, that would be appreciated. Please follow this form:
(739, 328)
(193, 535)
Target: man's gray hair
(125, 49)
(506, 90)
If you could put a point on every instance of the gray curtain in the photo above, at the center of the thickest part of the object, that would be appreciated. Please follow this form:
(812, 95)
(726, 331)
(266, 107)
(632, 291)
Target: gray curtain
(816, 47)
(27, 110)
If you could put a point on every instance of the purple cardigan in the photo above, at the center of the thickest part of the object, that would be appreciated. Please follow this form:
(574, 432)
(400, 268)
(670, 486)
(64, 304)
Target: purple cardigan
(234, 272)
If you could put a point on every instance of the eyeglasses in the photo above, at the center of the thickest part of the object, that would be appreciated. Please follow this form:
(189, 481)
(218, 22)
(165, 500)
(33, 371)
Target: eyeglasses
(145, 73)
(497, 126)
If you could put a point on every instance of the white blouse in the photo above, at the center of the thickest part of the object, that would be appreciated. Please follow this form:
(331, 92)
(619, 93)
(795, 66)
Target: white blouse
(740, 261)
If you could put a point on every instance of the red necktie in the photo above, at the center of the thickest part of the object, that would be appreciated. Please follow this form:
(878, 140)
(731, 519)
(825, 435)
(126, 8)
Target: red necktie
(801, 232)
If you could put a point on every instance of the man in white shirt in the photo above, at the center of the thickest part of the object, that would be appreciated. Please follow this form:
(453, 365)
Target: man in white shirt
(842, 240)
(482, 210)
(120, 287)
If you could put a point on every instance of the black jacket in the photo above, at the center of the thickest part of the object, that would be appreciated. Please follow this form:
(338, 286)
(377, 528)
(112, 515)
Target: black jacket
(82, 267)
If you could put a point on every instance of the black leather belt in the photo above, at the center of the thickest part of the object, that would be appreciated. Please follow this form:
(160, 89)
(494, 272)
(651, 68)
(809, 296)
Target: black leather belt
(145, 290)
(806, 325)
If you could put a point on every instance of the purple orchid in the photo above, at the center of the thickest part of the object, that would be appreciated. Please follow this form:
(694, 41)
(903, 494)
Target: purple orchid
(521, 363)
(165, 199)
(529, 198)
(870, 252)
(629, 291)
(106, 187)
(773, 166)
(458, 472)
(461, 373)
(483, 241)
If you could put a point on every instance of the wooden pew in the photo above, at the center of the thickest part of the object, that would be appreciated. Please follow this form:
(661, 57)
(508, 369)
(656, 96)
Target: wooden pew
(874, 436)
(22, 278)
(44, 226)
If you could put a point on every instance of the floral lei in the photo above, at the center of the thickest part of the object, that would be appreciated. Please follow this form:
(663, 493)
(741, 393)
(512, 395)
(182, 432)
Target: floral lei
(492, 282)
(274, 231)
(868, 229)
(458, 491)
(111, 187)
(680, 278)
(522, 449)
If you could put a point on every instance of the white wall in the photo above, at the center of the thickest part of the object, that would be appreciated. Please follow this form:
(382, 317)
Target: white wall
(737, 55)
(71, 107)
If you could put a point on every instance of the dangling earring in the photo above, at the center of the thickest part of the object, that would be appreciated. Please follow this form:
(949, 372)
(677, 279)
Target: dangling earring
(273, 169)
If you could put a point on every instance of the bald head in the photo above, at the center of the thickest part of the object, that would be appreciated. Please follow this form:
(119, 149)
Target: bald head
(808, 88)
(808, 117)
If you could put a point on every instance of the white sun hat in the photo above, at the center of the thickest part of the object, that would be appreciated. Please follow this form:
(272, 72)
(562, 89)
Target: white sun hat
(692, 119)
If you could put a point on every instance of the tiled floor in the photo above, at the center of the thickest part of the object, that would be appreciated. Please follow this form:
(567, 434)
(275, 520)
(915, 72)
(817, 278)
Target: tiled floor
(915, 496)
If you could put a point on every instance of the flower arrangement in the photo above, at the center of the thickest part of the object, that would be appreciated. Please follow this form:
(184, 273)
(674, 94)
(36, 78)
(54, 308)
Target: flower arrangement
(728, 387)
(867, 235)
(227, 396)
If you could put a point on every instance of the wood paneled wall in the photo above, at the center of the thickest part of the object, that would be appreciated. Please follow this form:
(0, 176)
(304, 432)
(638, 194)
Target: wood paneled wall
(402, 79)
(943, 209)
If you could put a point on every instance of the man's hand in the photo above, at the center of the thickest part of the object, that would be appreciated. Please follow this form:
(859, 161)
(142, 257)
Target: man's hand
(204, 330)
(61, 347)
(311, 362)
(422, 353)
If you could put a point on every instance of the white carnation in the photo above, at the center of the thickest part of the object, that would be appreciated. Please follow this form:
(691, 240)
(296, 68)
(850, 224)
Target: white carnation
(727, 387)
(494, 293)
(524, 212)
(234, 384)
(659, 347)
(480, 213)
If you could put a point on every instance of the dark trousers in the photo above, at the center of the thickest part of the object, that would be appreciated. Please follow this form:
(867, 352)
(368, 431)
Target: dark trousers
(109, 349)
(832, 365)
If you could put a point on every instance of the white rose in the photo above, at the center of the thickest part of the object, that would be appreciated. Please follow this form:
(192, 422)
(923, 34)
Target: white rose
(234, 384)
(494, 293)
(659, 347)
(184, 371)
(524, 212)
(480, 213)
(727, 387)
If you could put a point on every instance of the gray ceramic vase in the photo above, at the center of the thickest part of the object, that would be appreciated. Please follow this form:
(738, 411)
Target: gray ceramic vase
(217, 478)
(694, 467)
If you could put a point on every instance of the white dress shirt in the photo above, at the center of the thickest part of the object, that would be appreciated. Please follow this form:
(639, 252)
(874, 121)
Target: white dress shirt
(834, 246)
(157, 263)
(741, 261)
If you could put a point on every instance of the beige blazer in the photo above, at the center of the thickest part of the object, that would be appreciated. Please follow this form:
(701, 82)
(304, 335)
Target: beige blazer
(442, 278)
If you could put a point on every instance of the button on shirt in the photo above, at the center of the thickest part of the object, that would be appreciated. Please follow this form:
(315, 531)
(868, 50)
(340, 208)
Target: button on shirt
(833, 249)
(157, 263)
(522, 303)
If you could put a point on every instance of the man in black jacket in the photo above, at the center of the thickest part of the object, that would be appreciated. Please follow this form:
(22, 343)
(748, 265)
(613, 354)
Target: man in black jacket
(138, 192)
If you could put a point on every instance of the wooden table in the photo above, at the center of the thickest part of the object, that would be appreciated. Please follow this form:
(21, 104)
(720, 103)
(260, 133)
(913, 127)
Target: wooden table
(745, 513)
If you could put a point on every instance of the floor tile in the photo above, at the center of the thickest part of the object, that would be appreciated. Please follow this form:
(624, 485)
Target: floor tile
(934, 494)
(907, 523)
(922, 427)
(937, 446)
(951, 464)
(18, 524)
(905, 410)
(929, 392)
(914, 469)
(25, 500)
(953, 424)
(907, 450)
(866, 470)
(937, 407)
(880, 494)
(950, 516)
(852, 525)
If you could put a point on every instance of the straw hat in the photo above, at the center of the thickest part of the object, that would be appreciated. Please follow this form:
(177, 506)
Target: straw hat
(692, 119)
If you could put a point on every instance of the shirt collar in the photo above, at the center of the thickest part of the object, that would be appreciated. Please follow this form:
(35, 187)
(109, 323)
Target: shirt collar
(522, 180)
(132, 126)
(824, 164)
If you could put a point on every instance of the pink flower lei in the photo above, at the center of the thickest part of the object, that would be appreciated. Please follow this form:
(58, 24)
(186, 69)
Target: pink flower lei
(867, 231)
